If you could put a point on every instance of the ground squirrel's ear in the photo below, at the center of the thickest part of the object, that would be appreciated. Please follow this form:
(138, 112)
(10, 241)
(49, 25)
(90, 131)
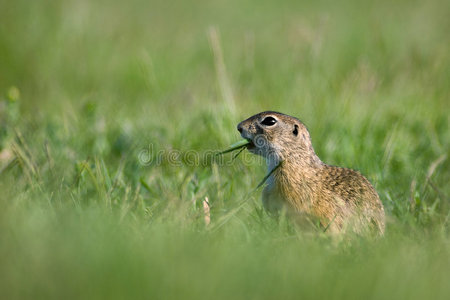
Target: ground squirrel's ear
(295, 132)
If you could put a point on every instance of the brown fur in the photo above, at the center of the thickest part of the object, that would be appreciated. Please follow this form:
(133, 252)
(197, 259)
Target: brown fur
(339, 198)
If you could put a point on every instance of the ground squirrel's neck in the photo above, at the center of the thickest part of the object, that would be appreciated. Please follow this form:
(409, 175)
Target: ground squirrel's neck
(300, 159)
(295, 176)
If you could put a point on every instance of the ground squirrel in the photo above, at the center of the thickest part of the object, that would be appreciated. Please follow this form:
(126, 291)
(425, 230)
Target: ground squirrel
(339, 199)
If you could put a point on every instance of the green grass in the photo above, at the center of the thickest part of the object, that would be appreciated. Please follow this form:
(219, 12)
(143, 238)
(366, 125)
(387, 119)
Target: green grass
(90, 89)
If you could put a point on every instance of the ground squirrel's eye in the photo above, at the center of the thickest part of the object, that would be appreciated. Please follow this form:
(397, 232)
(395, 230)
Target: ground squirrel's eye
(269, 121)
(295, 132)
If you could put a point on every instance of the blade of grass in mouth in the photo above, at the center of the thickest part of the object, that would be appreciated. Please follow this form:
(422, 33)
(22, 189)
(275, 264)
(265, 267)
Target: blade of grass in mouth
(268, 175)
(238, 145)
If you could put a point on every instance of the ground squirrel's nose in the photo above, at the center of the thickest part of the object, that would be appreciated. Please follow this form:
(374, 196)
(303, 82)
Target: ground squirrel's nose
(239, 128)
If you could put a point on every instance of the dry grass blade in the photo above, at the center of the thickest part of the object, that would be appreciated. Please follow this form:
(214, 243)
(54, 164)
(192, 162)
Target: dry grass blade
(8, 165)
(206, 211)
(430, 172)
(435, 164)
(222, 77)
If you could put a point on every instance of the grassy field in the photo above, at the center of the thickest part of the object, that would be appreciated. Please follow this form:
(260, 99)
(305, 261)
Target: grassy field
(109, 111)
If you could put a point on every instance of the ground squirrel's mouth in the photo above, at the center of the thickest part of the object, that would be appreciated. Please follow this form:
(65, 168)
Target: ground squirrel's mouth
(250, 144)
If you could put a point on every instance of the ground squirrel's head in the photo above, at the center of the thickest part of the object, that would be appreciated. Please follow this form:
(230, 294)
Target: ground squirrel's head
(276, 136)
